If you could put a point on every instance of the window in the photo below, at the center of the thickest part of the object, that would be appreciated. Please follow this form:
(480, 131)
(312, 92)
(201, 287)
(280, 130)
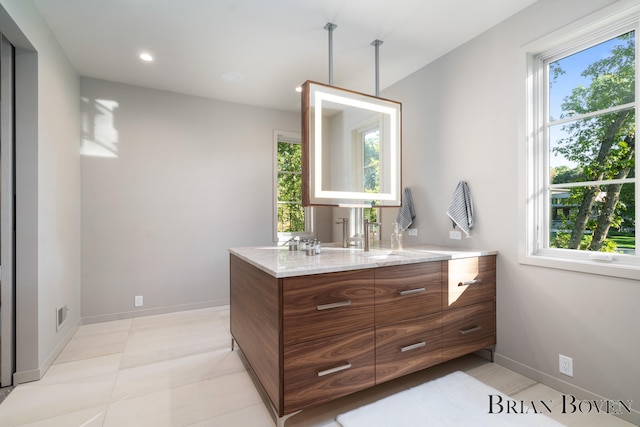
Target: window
(581, 159)
(292, 219)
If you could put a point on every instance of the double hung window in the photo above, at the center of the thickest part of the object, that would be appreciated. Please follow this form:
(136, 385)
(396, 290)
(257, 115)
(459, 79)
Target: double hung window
(581, 181)
(292, 219)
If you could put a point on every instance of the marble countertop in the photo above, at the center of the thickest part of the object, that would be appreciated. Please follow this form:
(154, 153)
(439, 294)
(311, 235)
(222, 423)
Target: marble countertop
(278, 261)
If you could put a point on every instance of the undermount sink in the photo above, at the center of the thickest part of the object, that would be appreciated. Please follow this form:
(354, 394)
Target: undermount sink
(381, 254)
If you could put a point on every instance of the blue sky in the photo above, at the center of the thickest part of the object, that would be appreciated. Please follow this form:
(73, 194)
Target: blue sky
(573, 66)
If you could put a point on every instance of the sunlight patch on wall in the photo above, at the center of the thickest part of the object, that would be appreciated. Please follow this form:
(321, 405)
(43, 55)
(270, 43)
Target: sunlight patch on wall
(453, 297)
(99, 135)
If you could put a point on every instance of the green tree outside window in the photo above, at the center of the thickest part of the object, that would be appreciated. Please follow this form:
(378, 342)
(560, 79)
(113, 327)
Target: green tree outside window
(371, 144)
(592, 191)
(290, 210)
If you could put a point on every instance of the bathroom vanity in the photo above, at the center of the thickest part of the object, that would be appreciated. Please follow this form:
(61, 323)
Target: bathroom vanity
(314, 328)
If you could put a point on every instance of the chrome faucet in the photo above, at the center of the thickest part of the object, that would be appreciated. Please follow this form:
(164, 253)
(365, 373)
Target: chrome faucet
(367, 224)
(345, 230)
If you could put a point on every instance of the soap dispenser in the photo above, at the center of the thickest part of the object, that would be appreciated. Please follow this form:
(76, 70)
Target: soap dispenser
(396, 238)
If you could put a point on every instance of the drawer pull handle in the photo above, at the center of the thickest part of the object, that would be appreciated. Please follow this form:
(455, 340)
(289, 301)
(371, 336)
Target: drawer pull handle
(333, 305)
(334, 370)
(470, 282)
(470, 330)
(412, 291)
(413, 346)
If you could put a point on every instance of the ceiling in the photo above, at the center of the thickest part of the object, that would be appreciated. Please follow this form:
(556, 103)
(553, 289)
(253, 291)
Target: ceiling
(271, 45)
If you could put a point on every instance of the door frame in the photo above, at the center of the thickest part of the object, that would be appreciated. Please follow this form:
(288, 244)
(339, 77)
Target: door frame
(7, 214)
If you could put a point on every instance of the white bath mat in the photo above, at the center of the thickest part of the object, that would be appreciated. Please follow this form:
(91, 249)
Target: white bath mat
(454, 400)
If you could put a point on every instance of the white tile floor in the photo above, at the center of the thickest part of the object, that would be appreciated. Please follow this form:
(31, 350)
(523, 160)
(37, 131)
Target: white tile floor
(178, 370)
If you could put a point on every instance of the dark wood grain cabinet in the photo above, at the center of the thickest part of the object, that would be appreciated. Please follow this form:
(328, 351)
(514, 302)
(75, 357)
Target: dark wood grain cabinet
(314, 338)
(328, 337)
(325, 305)
(468, 305)
(408, 318)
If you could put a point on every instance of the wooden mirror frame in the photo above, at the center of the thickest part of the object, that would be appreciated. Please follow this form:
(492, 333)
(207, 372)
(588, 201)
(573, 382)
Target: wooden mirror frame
(314, 192)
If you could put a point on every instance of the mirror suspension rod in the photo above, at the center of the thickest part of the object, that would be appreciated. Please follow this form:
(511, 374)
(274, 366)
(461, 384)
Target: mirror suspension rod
(377, 44)
(330, 27)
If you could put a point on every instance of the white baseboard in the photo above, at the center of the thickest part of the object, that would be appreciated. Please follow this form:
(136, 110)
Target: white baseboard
(35, 374)
(152, 311)
(560, 385)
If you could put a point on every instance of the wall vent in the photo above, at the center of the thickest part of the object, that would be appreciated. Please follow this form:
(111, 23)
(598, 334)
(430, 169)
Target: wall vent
(61, 316)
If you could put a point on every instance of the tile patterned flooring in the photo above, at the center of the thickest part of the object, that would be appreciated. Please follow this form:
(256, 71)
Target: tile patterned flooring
(178, 369)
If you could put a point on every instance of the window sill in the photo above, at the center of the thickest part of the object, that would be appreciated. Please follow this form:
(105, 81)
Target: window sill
(630, 269)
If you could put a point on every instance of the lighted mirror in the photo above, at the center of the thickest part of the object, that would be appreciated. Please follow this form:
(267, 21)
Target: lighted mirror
(351, 146)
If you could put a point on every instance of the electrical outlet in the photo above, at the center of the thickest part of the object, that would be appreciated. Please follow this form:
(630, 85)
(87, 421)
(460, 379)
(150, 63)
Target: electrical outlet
(138, 301)
(566, 365)
(413, 232)
(455, 234)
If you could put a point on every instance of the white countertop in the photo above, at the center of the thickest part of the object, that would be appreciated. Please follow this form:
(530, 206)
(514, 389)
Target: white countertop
(278, 261)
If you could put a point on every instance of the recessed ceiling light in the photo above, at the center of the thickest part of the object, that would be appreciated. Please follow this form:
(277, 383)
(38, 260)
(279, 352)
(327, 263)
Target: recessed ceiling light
(231, 77)
(299, 89)
(146, 56)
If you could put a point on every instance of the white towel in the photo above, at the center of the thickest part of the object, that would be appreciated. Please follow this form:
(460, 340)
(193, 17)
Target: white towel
(461, 209)
(406, 213)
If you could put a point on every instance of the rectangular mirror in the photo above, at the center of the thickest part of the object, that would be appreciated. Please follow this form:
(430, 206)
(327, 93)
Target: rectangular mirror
(351, 145)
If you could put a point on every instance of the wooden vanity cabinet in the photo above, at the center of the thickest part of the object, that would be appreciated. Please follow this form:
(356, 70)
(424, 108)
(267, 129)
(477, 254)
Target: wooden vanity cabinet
(407, 346)
(468, 329)
(307, 339)
(325, 305)
(311, 339)
(408, 318)
(256, 324)
(469, 305)
(328, 337)
(327, 368)
(407, 291)
(468, 281)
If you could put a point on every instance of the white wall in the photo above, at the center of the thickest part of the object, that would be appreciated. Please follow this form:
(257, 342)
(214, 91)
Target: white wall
(47, 190)
(462, 120)
(189, 178)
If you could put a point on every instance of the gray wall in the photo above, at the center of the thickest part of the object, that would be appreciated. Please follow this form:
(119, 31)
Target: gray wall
(47, 190)
(463, 119)
(189, 178)
(192, 177)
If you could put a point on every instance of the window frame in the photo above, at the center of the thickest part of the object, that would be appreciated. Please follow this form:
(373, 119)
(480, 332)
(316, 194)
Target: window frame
(534, 151)
(278, 237)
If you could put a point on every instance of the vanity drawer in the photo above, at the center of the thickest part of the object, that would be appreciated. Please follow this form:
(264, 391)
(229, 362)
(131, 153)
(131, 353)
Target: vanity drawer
(328, 368)
(327, 304)
(468, 329)
(407, 346)
(468, 281)
(407, 291)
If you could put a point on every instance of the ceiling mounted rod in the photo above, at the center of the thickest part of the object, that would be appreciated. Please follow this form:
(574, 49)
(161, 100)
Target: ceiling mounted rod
(330, 27)
(377, 44)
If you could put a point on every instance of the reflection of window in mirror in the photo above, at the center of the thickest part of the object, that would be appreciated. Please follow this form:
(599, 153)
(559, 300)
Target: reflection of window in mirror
(371, 152)
(365, 168)
(291, 218)
(372, 214)
(371, 167)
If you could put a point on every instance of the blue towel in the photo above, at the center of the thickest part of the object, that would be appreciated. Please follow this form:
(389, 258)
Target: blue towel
(461, 208)
(406, 213)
